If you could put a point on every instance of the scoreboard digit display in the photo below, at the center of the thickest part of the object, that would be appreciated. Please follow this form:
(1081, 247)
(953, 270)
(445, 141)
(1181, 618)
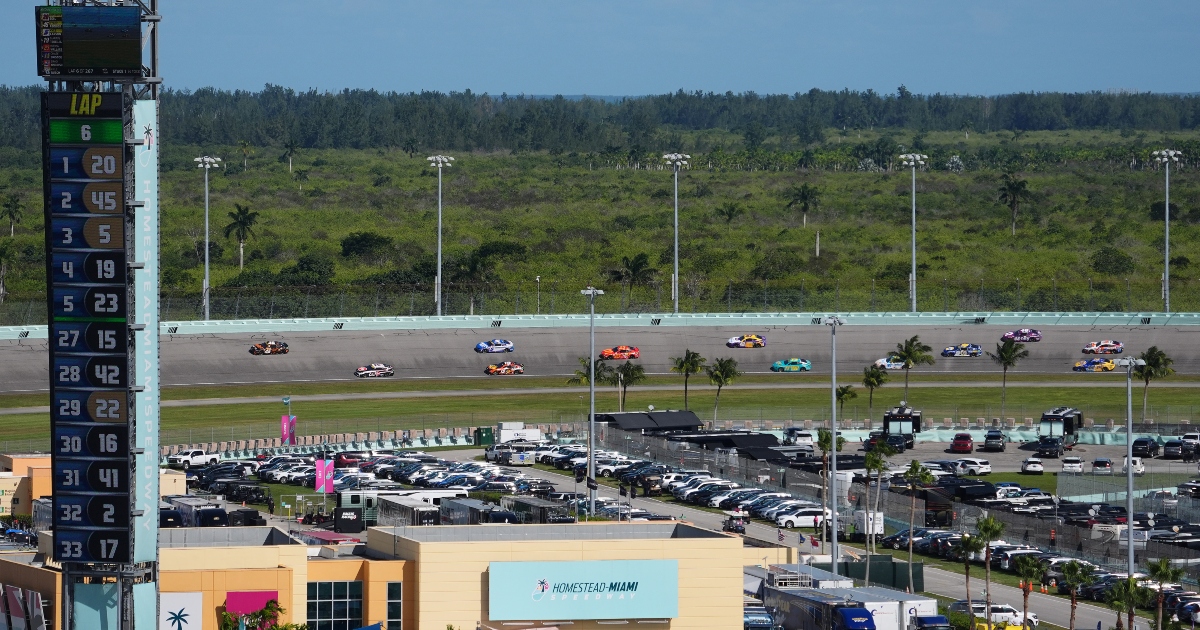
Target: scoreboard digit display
(89, 250)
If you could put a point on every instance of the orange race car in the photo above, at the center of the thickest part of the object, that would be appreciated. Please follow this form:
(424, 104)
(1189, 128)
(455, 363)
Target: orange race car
(269, 347)
(620, 352)
(507, 367)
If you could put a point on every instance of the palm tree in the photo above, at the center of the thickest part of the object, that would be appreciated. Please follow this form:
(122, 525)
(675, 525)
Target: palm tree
(967, 126)
(12, 210)
(246, 148)
(290, 147)
(1028, 569)
(601, 369)
(1158, 365)
(9, 254)
(1013, 190)
(1163, 572)
(627, 374)
(721, 373)
(844, 393)
(241, 227)
(912, 353)
(990, 529)
(875, 462)
(633, 271)
(410, 146)
(1126, 596)
(916, 476)
(1007, 355)
(1076, 575)
(729, 211)
(873, 378)
(807, 196)
(825, 444)
(969, 546)
(687, 365)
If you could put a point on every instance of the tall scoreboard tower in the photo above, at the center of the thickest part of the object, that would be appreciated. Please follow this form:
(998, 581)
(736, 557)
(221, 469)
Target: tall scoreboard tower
(100, 186)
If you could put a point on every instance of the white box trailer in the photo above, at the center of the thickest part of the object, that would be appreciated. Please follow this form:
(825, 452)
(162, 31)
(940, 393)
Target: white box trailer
(890, 608)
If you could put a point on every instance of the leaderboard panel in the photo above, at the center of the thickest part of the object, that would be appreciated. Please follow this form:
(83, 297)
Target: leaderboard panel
(88, 272)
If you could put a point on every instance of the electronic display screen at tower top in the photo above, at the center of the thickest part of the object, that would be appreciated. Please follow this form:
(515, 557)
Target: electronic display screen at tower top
(96, 42)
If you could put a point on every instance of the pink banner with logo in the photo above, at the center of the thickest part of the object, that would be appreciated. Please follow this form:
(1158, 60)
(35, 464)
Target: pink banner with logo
(247, 602)
(292, 430)
(287, 427)
(324, 477)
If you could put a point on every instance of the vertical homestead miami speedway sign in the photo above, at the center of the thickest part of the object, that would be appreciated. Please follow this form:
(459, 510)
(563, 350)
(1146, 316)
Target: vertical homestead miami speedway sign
(602, 589)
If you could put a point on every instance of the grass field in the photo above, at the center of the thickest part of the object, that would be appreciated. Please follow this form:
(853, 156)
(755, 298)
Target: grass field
(246, 421)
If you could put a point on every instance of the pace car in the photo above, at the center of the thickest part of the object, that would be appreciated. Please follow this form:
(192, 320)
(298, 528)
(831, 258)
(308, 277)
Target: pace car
(963, 350)
(890, 363)
(747, 341)
(269, 347)
(1094, 365)
(792, 365)
(620, 352)
(1108, 346)
(505, 368)
(495, 345)
(375, 370)
(1024, 334)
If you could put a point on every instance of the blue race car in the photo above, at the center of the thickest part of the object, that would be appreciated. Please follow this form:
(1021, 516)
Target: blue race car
(792, 365)
(963, 350)
(495, 345)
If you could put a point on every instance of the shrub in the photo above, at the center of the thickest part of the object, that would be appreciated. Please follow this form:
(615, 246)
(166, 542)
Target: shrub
(1111, 260)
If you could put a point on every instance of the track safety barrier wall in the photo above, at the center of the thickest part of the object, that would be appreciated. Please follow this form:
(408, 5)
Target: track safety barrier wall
(757, 320)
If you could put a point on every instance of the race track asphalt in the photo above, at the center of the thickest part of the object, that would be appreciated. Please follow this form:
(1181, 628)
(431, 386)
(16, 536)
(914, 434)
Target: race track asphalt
(333, 355)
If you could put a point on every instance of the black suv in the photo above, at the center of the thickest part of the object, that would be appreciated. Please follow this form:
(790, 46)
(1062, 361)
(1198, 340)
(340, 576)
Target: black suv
(1145, 447)
(1050, 447)
(994, 441)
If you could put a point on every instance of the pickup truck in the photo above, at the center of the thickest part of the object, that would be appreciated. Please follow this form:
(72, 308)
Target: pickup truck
(187, 459)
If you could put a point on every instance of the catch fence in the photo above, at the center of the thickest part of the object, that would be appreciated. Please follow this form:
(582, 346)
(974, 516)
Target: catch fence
(697, 295)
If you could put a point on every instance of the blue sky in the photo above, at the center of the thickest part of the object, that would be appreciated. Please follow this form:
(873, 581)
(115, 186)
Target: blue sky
(618, 47)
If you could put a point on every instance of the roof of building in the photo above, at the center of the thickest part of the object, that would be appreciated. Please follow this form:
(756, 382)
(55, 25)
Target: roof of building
(578, 531)
(223, 537)
(652, 420)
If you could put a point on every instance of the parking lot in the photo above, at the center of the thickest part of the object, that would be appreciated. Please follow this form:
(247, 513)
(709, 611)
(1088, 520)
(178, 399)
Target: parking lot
(1010, 460)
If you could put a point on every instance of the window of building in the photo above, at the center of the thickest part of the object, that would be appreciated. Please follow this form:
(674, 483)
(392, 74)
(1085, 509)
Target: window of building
(395, 605)
(335, 605)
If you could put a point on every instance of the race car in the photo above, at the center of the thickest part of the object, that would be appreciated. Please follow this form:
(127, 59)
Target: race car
(495, 345)
(1108, 346)
(269, 347)
(1025, 334)
(620, 352)
(963, 350)
(375, 370)
(747, 341)
(792, 365)
(890, 363)
(505, 368)
(1094, 365)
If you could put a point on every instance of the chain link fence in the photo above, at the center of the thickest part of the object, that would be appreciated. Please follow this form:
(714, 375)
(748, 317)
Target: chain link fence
(697, 294)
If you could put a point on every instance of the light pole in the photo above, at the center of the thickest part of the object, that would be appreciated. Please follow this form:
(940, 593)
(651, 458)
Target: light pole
(591, 292)
(677, 161)
(538, 279)
(439, 162)
(1129, 364)
(205, 162)
(833, 321)
(1165, 157)
(913, 160)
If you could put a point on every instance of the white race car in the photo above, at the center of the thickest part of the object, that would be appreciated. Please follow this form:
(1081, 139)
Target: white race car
(890, 363)
(375, 370)
(495, 345)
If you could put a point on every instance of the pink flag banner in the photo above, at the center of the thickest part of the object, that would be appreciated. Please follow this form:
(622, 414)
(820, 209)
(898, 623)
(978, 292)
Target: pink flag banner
(324, 480)
(292, 430)
(285, 429)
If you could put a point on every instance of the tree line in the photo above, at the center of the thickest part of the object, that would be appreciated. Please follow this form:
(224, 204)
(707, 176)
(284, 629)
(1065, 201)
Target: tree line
(413, 121)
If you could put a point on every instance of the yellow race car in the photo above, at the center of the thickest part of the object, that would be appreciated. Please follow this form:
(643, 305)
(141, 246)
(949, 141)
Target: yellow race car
(1094, 365)
(747, 341)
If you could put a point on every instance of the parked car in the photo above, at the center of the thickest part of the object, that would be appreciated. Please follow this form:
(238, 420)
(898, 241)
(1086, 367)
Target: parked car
(1072, 465)
(995, 440)
(1102, 466)
(1032, 466)
(962, 443)
(1050, 447)
(1145, 447)
(1139, 468)
(1173, 449)
(973, 467)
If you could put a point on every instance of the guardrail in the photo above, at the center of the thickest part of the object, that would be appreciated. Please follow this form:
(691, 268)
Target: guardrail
(740, 320)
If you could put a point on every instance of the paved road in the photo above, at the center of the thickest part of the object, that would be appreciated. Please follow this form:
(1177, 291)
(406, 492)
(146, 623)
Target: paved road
(201, 359)
(1051, 609)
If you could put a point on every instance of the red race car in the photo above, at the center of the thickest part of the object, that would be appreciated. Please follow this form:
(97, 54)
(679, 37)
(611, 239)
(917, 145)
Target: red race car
(505, 368)
(620, 352)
